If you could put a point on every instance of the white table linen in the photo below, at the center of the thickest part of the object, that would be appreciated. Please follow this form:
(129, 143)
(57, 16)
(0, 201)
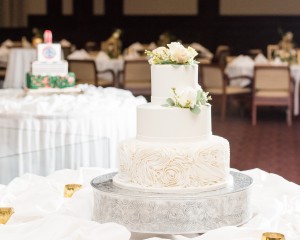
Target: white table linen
(233, 70)
(66, 131)
(79, 55)
(40, 209)
(19, 63)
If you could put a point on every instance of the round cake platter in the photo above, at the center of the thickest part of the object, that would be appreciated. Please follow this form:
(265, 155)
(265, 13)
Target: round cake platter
(161, 213)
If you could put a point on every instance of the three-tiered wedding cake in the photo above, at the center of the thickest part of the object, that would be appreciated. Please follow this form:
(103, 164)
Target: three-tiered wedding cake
(174, 177)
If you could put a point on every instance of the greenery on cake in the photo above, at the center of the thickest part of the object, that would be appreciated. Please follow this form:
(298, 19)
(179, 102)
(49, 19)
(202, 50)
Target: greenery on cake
(38, 81)
(174, 53)
(188, 98)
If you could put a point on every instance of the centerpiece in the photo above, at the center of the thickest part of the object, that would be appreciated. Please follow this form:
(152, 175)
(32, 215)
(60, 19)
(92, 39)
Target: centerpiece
(287, 52)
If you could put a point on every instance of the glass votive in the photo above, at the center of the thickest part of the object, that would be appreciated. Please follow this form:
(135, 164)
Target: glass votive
(272, 236)
(5, 214)
(70, 189)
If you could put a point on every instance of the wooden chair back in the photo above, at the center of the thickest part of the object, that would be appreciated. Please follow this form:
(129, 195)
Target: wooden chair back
(272, 86)
(272, 78)
(85, 71)
(136, 76)
(211, 76)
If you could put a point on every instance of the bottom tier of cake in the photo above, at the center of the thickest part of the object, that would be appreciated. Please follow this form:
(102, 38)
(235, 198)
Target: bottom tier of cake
(47, 81)
(185, 167)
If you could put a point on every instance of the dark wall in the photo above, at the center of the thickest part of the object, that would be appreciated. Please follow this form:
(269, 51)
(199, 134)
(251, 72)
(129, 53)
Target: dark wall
(207, 28)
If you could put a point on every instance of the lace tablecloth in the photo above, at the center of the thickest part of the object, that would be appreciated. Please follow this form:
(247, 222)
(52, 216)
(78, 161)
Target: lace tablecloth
(43, 133)
(41, 211)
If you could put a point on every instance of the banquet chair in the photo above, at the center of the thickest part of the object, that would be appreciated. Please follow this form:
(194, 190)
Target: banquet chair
(86, 72)
(213, 80)
(272, 86)
(222, 52)
(136, 77)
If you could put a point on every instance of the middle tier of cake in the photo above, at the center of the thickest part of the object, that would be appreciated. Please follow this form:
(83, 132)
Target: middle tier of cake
(172, 124)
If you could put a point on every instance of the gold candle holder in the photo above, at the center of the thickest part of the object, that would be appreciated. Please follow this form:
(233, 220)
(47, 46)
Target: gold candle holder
(272, 236)
(5, 214)
(70, 189)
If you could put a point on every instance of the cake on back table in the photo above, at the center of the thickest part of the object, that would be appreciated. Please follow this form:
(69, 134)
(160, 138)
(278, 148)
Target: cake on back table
(174, 150)
(49, 70)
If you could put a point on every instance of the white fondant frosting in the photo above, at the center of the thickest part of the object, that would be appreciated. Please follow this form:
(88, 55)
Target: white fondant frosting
(191, 167)
(173, 124)
(49, 52)
(49, 62)
(166, 77)
(50, 68)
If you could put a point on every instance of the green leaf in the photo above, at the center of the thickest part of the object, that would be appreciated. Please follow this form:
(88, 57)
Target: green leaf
(170, 102)
(198, 96)
(195, 110)
(165, 105)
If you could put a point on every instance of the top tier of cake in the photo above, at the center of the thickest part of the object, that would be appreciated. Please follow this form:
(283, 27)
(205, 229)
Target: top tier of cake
(49, 52)
(165, 77)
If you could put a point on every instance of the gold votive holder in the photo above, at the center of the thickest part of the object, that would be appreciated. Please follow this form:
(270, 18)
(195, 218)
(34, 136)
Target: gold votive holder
(70, 189)
(272, 236)
(5, 214)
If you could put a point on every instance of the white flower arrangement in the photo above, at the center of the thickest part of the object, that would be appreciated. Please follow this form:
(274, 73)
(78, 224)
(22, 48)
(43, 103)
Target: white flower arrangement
(286, 52)
(188, 98)
(175, 53)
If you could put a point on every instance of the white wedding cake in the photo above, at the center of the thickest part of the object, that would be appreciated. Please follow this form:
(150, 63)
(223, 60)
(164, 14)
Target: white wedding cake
(49, 73)
(174, 150)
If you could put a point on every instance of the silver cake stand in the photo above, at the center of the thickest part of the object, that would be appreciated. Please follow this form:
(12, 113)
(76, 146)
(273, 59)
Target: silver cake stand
(160, 213)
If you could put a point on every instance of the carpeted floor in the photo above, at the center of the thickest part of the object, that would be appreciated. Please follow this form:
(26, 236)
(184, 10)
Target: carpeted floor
(270, 145)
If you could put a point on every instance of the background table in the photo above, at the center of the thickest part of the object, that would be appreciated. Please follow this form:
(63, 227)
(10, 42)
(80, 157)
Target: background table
(19, 63)
(44, 133)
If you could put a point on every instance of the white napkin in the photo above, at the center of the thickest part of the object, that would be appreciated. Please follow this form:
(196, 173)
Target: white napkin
(204, 51)
(102, 56)
(277, 61)
(133, 50)
(261, 59)
(7, 43)
(242, 60)
(65, 43)
(79, 54)
(137, 46)
(152, 46)
(198, 47)
(25, 43)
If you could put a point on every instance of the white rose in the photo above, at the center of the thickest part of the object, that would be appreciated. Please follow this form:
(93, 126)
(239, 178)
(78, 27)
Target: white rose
(162, 53)
(187, 97)
(178, 53)
(193, 53)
